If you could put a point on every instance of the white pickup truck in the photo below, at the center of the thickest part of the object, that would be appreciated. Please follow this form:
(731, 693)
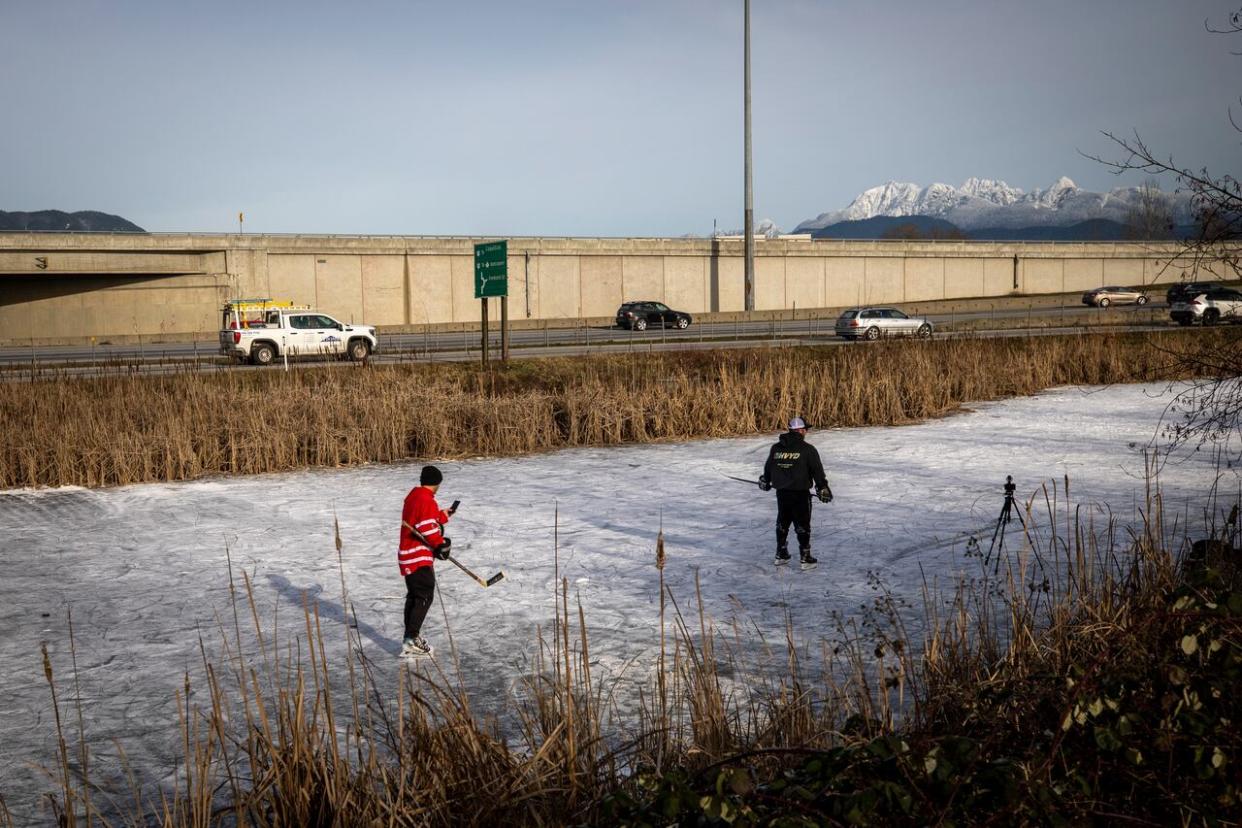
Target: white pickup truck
(261, 330)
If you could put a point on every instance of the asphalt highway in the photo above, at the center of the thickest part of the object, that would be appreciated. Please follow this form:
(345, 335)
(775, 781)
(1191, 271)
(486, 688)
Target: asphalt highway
(461, 346)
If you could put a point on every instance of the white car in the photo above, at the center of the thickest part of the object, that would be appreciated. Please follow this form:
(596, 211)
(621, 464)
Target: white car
(1216, 304)
(873, 323)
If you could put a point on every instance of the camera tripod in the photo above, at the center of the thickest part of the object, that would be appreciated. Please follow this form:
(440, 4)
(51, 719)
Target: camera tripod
(1008, 512)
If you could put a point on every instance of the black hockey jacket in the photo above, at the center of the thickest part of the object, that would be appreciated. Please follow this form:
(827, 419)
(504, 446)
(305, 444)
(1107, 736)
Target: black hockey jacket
(793, 464)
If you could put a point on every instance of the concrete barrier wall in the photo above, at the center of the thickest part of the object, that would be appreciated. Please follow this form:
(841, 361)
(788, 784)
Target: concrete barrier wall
(70, 287)
(963, 278)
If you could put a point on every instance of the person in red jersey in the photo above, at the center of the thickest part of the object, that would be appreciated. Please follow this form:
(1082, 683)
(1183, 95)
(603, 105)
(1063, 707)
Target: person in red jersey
(416, 556)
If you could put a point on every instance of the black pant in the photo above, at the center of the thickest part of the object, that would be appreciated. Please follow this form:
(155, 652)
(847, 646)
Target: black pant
(420, 589)
(793, 506)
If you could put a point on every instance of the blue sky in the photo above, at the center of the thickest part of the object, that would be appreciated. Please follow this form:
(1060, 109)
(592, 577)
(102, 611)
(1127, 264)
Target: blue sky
(552, 117)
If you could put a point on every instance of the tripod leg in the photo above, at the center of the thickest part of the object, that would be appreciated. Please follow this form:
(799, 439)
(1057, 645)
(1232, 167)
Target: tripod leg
(1033, 546)
(1000, 547)
(998, 532)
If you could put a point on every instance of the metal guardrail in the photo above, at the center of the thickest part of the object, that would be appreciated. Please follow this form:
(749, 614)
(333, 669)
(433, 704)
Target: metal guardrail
(428, 346)
(35, 373)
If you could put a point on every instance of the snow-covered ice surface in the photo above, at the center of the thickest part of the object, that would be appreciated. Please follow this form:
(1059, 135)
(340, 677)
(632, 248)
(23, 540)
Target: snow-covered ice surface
(142, 570)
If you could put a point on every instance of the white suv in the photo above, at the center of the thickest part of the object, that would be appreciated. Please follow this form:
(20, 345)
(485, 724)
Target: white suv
(1216, 304)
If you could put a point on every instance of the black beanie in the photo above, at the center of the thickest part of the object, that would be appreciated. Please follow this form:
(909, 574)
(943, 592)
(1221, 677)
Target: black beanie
(430, 476)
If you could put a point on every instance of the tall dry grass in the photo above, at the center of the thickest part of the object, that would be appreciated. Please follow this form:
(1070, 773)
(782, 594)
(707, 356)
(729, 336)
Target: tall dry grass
(118, 430)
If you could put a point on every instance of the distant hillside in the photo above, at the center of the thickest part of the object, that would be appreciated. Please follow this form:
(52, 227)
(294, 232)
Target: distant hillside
(58, 221)
(1098, 229)
(879, 227)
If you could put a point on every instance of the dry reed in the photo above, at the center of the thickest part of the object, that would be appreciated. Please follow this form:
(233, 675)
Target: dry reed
(117, 430)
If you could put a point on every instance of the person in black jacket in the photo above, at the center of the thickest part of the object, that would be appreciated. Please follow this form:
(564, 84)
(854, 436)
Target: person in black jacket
(793, 465)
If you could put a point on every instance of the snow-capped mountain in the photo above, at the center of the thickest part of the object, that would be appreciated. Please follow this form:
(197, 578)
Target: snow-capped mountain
(983, 202)
(997, 192)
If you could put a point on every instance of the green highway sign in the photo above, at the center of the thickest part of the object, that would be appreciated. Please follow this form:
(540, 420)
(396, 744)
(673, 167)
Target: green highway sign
(491, 269)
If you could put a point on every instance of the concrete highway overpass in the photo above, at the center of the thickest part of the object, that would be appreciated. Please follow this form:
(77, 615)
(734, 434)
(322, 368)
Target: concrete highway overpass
(71, 287)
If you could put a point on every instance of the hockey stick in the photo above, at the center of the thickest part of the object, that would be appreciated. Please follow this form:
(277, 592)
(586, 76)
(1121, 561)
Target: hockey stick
(421, 537)
(754, 483)
(743, 480)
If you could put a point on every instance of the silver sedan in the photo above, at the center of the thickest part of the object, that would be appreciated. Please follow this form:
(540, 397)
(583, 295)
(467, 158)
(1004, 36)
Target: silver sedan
(1102, 297)
(873, 323)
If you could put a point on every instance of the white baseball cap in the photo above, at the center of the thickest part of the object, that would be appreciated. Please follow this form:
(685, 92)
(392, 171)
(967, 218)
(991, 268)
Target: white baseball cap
(797, 423)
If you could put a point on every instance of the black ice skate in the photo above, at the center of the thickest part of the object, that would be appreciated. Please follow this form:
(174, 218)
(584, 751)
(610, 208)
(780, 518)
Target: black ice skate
(809, 561)
(414, 648)
(782, 556)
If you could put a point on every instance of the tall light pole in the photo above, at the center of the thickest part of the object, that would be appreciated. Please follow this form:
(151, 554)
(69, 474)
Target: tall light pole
(749, 218)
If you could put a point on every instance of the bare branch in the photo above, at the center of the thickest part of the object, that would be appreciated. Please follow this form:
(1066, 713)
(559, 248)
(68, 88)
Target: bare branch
(1208, 412)
(1233, 26)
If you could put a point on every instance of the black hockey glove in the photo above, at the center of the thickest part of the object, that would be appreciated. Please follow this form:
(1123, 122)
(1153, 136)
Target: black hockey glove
(765, 485)
(825, 494)
(442, 551)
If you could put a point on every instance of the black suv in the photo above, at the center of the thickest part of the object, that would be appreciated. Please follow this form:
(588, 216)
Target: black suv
(638, 316)
(1185, 291)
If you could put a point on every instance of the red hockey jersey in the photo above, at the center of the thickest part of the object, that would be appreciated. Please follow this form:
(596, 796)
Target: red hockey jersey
(423, 513)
